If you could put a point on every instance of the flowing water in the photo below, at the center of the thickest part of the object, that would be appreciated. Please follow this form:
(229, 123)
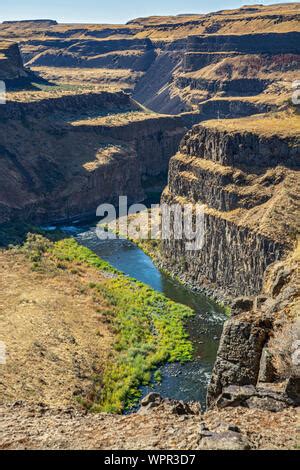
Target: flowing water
(179, 381)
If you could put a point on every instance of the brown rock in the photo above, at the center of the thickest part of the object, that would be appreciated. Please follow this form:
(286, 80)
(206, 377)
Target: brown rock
(225, 437)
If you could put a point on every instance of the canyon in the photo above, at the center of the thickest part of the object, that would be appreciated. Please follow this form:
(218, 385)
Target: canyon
(77, 153)
(201, 105)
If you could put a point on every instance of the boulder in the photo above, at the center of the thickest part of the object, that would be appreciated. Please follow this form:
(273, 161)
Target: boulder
(151, 398)
(241, 304)
(154, 400)
(224, 437)
(181, 408)
(238, 359)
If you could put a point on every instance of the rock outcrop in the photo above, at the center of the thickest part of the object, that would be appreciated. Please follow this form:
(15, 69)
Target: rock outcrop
(156, 401)
(245, 176)
(178, 63)
(257, 364)
(239, 354)
(11, 62)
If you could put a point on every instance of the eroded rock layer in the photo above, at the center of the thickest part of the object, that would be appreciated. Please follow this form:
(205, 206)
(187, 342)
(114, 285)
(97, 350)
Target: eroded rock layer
(245, 173)
(175, 64)
(74, 152)
(257, 365)
(11, 63)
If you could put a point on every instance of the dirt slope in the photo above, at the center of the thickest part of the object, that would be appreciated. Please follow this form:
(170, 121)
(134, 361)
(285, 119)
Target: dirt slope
(53, 351)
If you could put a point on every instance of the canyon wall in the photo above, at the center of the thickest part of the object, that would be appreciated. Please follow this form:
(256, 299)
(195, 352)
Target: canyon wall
(134, 54)
(74, 152)
(256, 365)
(232, 261)
(239, 176)
(245, 174)
(195, 73)
(64, 105)
(175, 64)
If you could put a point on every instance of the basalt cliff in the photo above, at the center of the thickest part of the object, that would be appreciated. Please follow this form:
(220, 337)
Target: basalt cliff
(245, 174)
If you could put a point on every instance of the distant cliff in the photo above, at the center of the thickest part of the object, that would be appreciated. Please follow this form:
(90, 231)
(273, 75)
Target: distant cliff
(76, 151)
(42, 22)
(179, 63)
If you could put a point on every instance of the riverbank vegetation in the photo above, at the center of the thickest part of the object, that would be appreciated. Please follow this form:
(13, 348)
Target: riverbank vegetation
(152, 247)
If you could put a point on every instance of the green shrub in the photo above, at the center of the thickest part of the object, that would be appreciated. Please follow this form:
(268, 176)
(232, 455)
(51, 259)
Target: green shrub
(35, 247)
(149, 330)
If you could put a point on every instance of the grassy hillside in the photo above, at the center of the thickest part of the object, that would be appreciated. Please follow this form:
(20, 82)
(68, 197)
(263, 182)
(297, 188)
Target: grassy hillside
(131, 329)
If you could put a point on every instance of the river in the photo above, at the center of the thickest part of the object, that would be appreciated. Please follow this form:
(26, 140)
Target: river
(187, 381)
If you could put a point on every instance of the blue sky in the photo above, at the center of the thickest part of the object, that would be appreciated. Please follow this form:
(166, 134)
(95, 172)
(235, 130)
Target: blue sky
(114, 11)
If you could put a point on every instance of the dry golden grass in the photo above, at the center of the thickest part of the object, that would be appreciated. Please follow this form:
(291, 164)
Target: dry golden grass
(240, 21)
(30, 96)
(4, 45)
(258, 18)
(283, 124)
(114, 120)
(55, 335)
(250, 66)
(206, 165)
(106, 154)
(97, 79)
(44, 92)
(79, 74)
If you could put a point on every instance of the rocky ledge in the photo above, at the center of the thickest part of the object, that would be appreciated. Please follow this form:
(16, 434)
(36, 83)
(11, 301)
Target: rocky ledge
(257, 364)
